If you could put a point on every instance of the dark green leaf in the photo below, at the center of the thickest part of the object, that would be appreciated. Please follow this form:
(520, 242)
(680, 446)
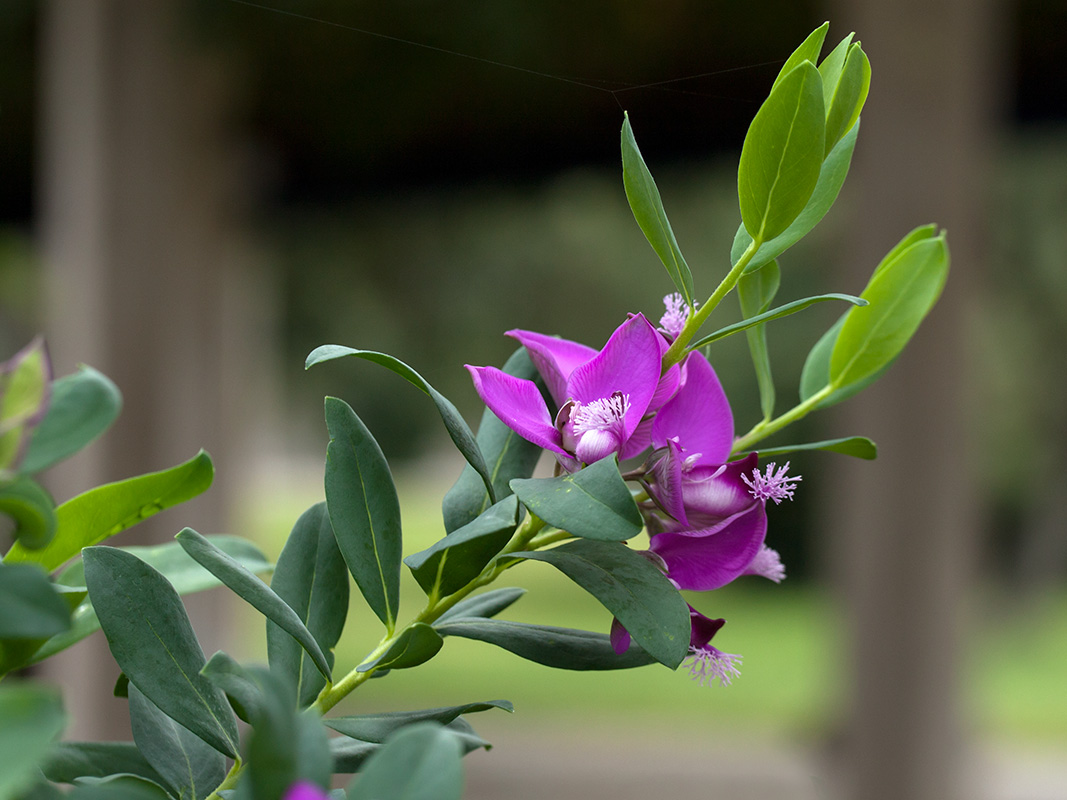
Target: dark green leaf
(647, 207)
(458, 558)
(416, 645)
(364, 510)
(593, 503)
(849, 97)
(30, 608)
(488, 604)
(152, 641)
(31, 718)
(68, 761)
(241, 688)
(32, 509)
(776, 313)
(755, 292)
(250, 588)
(808, 51)
(184, 574)
(457, 428)
(350, 754)
(631, 588)
(782, 155)
(378, 727)
(190, 768)
(421, 762)
(106, 510)
(311, 577)
(15, 653)
(855, 446)
(506, 453)
(831, 179)
(901, 294)
(83, 406)
(118, 787)
(560, 648)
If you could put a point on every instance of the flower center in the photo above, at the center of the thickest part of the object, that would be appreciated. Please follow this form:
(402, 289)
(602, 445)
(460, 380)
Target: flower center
(600, 415)
(707, 663)
(774, 485)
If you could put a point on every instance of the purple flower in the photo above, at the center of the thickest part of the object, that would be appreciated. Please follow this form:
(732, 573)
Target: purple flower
(305, 790)
(603, 397)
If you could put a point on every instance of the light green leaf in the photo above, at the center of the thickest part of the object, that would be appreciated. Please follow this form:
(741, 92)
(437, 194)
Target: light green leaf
(849, 97)
(151, 639)
(855, 446)
(782, 155)
(250, 588)
(364, 510)
(457, 428)
(808, 50)
(95, 515)
(831, 68)
(816, 373)
(776, 313)
(755, 292)
(647, 207)
(83, 406)
(593, 503)
(32, 509)
(631, 588)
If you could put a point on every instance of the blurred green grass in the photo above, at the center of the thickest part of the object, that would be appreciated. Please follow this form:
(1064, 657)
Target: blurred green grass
(793, 677)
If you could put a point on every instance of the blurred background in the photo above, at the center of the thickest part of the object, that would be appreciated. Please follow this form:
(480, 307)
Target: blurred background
(194, 195)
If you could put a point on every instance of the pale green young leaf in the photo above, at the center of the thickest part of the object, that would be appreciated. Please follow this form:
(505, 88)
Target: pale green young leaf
(808, 50)
(830, 69)
(849, 97)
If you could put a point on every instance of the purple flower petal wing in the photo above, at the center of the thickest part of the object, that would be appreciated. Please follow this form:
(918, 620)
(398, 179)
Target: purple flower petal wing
(305, 790)
(703, 628)
(703, 563)
(667, 488)
(699, 415)
(620, 637)
(711, 493)
(518, 404)
(629, 363)
(554, 358)
(639, 440)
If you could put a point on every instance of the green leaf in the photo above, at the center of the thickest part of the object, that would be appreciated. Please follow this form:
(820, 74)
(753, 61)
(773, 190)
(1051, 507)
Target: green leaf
(31, 718)
(68, 761)
(184, 574)
(457, 428)
(312, 579)
(631, 588)
(831, 67)
(190, 768)
(364, 510)
(816, 373)
(16, 653)
(95, 515)
(647, 207)
(559, 648)
(755, 291)
(457, 559)
(808, 51)
(244, 693)
(782, 155)
(593, 503)
(901, 294)
(506, 453)
(25, 388)
(29, 606)
(118, 787)
(831, 179)
(849, 97)
(32, 509)
(416, 645)
(488, 604)
(151, 639)
(254, 591)
(420, 762)
(83, 406)
(378, 727)
(349, 755)
(781, 311)
(855, 446)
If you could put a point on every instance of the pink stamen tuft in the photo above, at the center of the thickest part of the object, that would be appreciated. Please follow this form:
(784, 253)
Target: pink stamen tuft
(600, 415)
(707, 663)
(774, 485)
(677, 314)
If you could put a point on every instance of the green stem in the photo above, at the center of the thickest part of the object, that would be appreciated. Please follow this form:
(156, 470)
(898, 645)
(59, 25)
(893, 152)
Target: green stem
(764, 429)
(678, 349)
(229, 782)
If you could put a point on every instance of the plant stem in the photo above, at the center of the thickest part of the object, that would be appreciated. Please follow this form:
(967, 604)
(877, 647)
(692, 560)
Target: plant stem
(229, 782)
(762, 430)
(678, 349)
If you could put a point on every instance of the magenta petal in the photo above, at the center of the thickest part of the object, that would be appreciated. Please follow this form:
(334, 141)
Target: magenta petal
(703, 563)
(518, 404)
(639, 440)
(698, 415)
(629, 363)
(715, 493)
(304, 790)
(767, 564)
(620, 637)
(703, 629)
(668, 483)
(554, 358)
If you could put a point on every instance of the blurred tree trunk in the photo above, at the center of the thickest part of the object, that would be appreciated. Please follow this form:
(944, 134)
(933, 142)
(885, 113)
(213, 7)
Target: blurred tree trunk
(904, 528)
(136, 223)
